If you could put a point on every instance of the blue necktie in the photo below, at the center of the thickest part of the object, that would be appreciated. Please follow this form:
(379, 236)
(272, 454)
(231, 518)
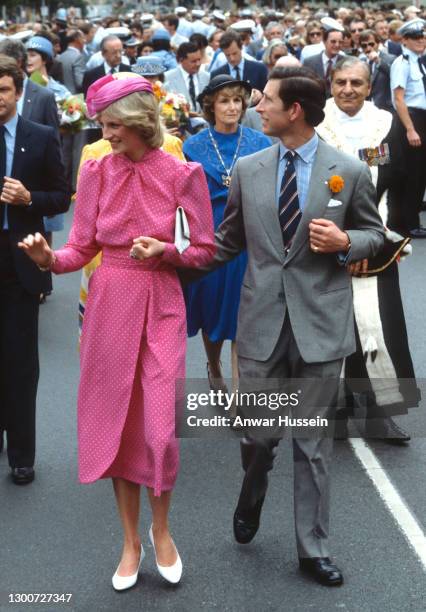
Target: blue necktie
(288, 205)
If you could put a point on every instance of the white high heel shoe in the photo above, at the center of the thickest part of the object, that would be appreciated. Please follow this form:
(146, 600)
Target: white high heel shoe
(120, 583)
(171, 573)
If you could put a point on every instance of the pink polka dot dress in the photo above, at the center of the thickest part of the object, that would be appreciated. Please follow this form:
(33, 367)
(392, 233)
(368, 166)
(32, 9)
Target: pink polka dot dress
(134, 332)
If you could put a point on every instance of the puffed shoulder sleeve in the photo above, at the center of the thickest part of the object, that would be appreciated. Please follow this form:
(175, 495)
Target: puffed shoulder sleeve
(193, 195)
(81, 246)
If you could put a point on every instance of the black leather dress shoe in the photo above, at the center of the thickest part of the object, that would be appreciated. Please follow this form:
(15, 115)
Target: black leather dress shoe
(418, 232)
(246, 522)
(323, 570)
(22, 475)
(387, 431)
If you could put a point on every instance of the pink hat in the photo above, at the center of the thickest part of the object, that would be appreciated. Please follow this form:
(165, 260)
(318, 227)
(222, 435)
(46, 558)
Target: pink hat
(108, 89)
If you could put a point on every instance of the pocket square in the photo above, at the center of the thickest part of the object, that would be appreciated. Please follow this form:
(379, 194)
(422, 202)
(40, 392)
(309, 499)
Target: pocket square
(334, 203)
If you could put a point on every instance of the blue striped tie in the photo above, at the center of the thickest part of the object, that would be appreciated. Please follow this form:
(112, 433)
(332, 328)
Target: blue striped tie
(288, 206)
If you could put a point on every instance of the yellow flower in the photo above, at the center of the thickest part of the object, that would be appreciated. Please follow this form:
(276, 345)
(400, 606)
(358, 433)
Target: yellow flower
(336, 183)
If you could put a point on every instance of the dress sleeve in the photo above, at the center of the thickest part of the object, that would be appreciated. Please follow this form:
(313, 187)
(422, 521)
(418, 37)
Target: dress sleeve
(81, 246)
(193, 195)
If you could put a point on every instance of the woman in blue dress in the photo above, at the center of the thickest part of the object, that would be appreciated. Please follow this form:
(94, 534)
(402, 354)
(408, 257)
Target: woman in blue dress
(212, 302)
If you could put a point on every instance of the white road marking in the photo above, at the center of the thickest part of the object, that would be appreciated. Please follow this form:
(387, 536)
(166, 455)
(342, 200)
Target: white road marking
(396, 505)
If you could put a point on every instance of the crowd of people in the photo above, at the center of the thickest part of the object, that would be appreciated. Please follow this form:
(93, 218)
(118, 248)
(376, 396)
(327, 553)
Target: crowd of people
(253, 176)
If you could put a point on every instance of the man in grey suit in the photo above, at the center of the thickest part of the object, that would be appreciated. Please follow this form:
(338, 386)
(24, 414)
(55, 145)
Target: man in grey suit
(73, 62)
(187, 79)
(380, 64)
(323, 63)
(295, 319)
(36, 103)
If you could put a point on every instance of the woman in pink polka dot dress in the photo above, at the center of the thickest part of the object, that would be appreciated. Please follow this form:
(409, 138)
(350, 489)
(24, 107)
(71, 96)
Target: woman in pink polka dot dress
(134, 332)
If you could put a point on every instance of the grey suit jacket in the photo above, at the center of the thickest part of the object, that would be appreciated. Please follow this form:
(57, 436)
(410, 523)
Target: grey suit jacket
(380, 82)
(39, 105)
(175, 83)
(313, 288)
(74, 66)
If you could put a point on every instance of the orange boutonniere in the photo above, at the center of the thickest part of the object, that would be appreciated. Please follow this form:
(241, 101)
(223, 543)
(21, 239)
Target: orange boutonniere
(336, 183)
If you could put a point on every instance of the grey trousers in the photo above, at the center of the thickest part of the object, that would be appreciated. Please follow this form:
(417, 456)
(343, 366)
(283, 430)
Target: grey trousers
(311, 457)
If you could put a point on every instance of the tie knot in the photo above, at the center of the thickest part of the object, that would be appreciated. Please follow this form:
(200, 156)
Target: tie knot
(290, 156)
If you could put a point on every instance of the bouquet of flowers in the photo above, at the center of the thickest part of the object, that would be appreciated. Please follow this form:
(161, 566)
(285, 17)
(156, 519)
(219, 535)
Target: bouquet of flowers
(72, 114)
(175, 111)
(159, 92)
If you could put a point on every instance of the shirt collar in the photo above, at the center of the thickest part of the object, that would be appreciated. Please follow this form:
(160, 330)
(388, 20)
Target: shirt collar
(306, 152)
(185, 73)
(410, 54)
(240, 66)
(11, 125)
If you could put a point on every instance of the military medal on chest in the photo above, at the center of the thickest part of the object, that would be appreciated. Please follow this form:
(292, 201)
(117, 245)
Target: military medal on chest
(226, 178)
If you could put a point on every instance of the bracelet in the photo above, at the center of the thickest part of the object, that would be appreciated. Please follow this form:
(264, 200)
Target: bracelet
(49, 267)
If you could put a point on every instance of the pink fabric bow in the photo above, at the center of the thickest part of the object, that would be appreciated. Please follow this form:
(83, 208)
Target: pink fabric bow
(108, 89)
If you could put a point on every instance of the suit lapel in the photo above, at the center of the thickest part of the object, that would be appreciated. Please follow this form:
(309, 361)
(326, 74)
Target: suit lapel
(29, 99)
(21, 147)
(317, 198)
(264, 187)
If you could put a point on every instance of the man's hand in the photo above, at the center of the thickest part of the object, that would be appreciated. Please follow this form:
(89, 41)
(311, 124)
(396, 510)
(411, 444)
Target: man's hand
(256, 96)
(37, 248)
(358, 268)
(14, 192)
(413, 138)
(146, 247)
(373, 56)
(326, 237)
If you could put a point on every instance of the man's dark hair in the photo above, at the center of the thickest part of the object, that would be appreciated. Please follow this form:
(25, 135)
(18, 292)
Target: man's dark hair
(14, 49)
(230, 37)
(86, 27)
(365, 35)
(136, 25)
(200, 40)
(9, 67)
(172, 20)
(326, 33)
(73, 35)
(185, 49)
(302, 85)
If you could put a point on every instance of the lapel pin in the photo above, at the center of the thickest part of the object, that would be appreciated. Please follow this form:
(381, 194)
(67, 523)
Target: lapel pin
(22, 149)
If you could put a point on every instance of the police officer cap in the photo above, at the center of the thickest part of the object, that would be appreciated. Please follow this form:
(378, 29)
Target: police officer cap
(146, 17)
(131, 42)
(219, 15)
(245, 25)
(329, 24)
(246, 13)
(23, 35)
(181, 10)
(198, 13)
(119, 31)
(414, 28)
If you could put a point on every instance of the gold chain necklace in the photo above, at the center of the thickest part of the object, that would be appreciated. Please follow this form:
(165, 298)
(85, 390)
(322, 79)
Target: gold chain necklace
(226, 178)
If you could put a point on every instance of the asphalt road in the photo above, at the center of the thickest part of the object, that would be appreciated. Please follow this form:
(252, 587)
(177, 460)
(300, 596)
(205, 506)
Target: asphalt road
(57, 536)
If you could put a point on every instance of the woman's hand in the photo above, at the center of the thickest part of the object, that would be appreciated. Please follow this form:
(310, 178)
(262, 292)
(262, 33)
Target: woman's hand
(358, 268)
(145, 247)
(37, 248)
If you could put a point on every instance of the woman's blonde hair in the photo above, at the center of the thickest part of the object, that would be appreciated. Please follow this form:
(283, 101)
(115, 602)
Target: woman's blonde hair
(140, 111)
(231, 90)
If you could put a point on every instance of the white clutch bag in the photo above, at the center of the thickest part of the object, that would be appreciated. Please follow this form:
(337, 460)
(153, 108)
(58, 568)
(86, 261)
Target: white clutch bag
(182, 236)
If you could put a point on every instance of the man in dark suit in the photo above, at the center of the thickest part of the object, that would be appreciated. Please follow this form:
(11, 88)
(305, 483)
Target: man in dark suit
(323, 63)
(36, 103)
(380, 63)
(112, 52)
(32, 185)
(238, 66)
